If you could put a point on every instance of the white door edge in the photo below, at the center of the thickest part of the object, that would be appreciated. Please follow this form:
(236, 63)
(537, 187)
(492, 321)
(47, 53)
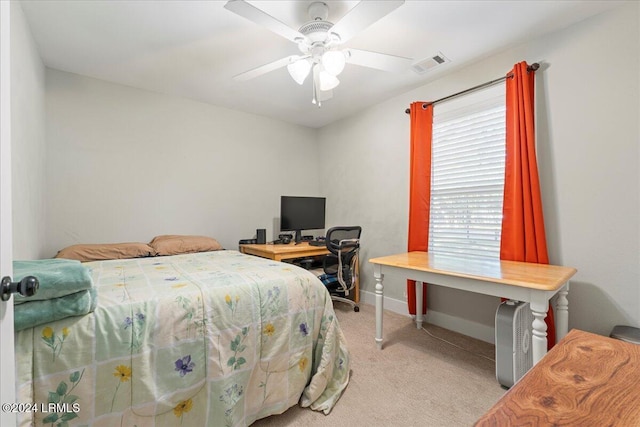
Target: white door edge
(7, 358)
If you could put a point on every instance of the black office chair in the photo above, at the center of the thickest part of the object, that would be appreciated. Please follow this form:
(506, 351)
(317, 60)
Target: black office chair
(341, 265)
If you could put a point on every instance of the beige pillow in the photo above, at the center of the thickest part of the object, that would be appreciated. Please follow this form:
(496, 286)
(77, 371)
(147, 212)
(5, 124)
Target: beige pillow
(179, 244)
(98, 252)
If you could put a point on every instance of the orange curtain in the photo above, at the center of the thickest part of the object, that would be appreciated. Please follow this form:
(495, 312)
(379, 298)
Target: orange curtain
(523, 235)
(419, 190)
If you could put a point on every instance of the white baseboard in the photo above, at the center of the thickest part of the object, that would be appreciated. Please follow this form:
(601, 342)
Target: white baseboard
(456, 324)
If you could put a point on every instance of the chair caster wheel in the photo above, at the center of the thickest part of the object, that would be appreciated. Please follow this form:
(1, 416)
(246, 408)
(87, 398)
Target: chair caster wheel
(356, 309)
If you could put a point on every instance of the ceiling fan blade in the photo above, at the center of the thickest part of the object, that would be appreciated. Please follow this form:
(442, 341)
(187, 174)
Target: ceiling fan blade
(263, 69)
(380, 61)
(252, 13)
(363, 15)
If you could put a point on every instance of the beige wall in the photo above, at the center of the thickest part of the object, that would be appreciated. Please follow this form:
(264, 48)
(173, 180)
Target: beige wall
(588, 137)
(125, 165)
(28, 140)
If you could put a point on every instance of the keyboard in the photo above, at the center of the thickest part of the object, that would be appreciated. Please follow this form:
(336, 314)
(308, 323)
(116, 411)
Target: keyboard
(317, 243)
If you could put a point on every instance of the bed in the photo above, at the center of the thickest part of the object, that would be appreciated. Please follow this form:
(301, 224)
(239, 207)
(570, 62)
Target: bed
(215, 338)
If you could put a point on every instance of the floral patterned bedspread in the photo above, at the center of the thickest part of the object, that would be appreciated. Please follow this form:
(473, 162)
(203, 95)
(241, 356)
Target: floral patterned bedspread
(214, 338)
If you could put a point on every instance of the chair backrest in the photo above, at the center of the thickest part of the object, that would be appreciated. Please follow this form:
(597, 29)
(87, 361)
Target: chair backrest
(336, 234)
(344, 244)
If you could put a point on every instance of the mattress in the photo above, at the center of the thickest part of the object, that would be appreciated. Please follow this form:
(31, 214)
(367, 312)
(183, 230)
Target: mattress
(213, 338)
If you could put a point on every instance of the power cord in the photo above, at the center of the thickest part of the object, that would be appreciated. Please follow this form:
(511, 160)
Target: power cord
(456, 345)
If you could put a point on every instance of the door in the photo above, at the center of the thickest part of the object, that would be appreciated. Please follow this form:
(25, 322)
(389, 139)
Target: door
(7, 358)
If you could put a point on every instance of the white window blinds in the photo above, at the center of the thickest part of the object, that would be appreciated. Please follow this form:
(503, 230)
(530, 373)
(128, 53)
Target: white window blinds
(467, 176)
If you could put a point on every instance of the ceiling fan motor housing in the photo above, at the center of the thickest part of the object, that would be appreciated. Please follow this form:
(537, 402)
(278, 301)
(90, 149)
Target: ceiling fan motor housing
(317, 30)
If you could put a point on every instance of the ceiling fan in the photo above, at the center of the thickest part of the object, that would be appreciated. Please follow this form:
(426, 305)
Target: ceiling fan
(320, 43)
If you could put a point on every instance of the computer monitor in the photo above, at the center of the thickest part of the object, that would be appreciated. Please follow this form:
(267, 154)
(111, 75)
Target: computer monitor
(301, 213)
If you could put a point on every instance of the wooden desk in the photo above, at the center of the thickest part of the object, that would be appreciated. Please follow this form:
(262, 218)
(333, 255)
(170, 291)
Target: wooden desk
(528, 282)
(282, 252)
(585, 380)
(293, 251)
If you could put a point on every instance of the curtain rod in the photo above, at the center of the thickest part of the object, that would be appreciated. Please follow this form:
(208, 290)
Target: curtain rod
(532, 67)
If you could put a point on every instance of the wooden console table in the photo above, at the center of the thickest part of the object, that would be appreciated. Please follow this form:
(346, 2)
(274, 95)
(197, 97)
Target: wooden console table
(585, 380)
(521, 281)
(293, 251)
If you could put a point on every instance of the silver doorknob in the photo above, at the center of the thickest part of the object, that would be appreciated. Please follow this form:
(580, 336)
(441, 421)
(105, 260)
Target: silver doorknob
(27, 287)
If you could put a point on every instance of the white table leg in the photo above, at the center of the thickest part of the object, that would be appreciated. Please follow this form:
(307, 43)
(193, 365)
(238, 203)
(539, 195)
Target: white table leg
(539, 339)
(419, 304)
(562, 313)
(377, 273)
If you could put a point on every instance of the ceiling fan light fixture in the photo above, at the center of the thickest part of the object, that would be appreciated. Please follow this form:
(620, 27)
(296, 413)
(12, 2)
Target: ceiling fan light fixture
(299, 70)
(333, 62)
(327, 81)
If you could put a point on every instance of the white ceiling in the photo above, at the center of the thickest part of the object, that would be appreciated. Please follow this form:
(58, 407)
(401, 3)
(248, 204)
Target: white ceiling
(193, 49)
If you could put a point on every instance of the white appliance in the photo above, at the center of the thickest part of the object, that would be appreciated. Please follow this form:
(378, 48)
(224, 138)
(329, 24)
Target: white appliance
(514, 355)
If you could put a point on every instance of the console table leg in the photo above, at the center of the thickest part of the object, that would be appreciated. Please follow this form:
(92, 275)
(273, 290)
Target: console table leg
(419, 304)
(539, 338)
(562, 310)
(377, 273)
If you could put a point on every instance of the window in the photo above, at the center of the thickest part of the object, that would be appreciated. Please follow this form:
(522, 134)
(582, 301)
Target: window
(467, 176)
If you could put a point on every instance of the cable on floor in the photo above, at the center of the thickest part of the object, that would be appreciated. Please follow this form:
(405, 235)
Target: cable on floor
(456, 345)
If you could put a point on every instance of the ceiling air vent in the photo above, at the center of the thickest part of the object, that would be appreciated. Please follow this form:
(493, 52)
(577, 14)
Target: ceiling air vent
(427, 64)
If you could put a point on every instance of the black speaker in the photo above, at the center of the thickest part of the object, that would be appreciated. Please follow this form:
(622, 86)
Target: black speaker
(261, 233)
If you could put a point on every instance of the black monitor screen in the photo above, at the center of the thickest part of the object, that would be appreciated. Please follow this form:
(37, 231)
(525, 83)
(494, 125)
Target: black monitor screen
(301, 213)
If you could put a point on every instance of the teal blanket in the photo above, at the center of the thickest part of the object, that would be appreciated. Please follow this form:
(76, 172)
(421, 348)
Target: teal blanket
(36, 313)
(57, 277)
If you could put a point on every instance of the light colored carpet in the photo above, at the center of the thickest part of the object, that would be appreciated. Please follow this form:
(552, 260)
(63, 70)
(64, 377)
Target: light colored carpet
(416, 380)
